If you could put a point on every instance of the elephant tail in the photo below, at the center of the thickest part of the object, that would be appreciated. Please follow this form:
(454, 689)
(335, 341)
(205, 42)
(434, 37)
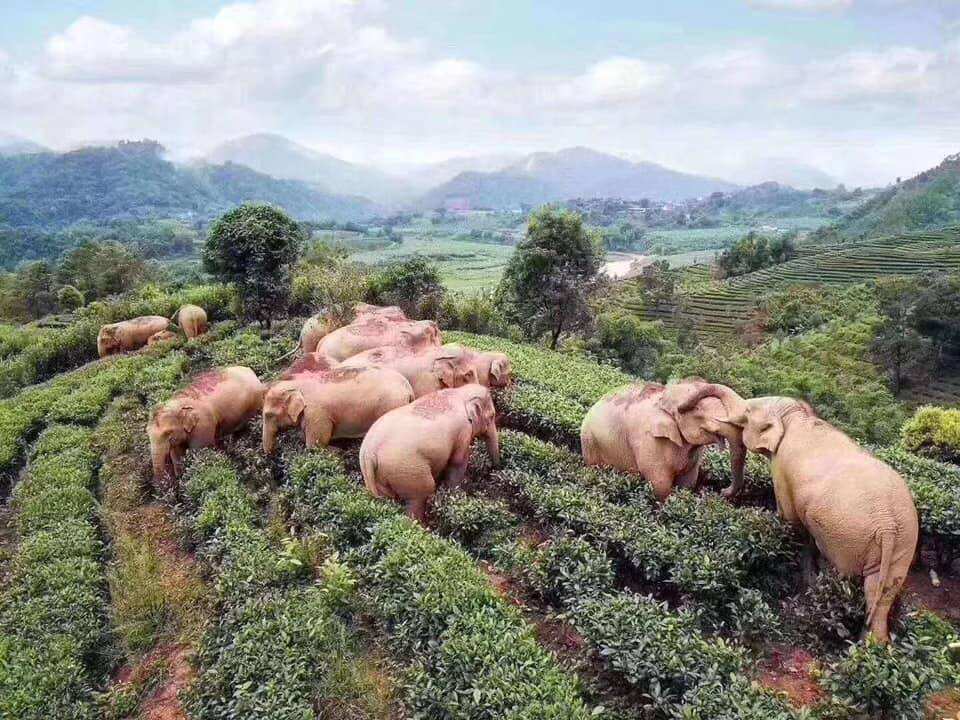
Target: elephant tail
(368, 466)
(887, 540)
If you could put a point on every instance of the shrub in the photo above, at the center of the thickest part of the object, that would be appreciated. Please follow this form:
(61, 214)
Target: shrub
(892, 681)
(413, 284)
(633, 344)
(69, 298)
(933, 431)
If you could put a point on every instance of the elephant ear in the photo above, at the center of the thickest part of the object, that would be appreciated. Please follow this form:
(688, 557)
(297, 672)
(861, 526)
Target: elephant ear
(446, 371)
(475, 412)
(189, 418)
(664, 426)
(295, 405)
(467, 376)
(769, 434)
(500, 370)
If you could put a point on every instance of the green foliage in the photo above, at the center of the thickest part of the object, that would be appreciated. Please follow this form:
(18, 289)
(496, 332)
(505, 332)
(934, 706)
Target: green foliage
(249, 348)
(831, 611)
(255, 248)
(797, 309)
(933, 431)
(413, 284)
(754, 252)
(551, 275)
(69, 298)
(633, 344)
(892, 681)
(52, 609)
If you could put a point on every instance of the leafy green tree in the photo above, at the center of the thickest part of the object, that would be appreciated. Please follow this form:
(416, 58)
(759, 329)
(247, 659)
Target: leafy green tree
(551, 277)
(255, 247)
(412, 284)
(101, 269)
(30, 293)
(754, 252)
(632, 343)
(69, 298)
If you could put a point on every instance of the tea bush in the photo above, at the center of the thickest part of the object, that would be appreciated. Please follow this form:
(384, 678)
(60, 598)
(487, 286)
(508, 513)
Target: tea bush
(892, 681)
(933, 431)
(52, 610)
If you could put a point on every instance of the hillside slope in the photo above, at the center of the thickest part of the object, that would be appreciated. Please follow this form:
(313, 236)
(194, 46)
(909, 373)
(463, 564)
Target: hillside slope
(132, 180)
(929, 201)
(574, 172)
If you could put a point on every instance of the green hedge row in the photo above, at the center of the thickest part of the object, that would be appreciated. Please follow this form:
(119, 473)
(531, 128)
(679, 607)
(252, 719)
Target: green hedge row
(279, 648)
(662, 654)
(15, 338)
(470, 653)
(705, 548)
(53, 611)
(55, 352)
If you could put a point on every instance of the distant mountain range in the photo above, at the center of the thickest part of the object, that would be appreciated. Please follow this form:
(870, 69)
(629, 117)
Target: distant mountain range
(133, 181)
(785, 171)
(575, 172)
(16, 145)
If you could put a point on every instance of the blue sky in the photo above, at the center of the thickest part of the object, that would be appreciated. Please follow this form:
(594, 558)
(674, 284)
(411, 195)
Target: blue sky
(862, 88)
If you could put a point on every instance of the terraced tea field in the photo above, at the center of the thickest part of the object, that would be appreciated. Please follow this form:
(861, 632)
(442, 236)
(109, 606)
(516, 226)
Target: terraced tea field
(717, 307)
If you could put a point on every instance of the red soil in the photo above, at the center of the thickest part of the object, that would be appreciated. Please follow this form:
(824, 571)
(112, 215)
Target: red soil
(560, 637)
(164, 702)
(944, 706)
(944, 600)
(788, 670)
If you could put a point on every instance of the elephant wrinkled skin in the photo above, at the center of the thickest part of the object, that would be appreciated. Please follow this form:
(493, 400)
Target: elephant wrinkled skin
(857, 509)
(192, 319)
(410, 448)
(340, 403)
(162, 336)
(216, 403)
(431, 369)
(360, 336)
(659, 431)
(129, 334)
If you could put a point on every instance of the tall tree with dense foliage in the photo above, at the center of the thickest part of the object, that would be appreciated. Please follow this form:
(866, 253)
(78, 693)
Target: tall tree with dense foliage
(255, 247)
(754, 252)
(413, 284)
(552, 275)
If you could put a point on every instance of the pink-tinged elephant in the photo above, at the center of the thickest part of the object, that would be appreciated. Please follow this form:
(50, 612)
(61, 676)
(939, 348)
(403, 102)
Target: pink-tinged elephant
(493, 368)
(409, 449)
(216, 403)
(659, 432)
(363, 312)
(129, 335)
(315, 328)
(340, 403)
(857, 510)
(309, 364)
(162, 337)
(357, 337)
(192, 319)
(429, 370)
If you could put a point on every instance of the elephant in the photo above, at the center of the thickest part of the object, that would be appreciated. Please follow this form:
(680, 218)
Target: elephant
(129, 334)
(407, 450)
(856, 510)
(431, 369)
(192, 319)
(364, 311)
(659, 432)
(493, 368)
(216, 403)
(340, 403)
(309, 364)
(315, 328)
(162, 337)
(357, 337)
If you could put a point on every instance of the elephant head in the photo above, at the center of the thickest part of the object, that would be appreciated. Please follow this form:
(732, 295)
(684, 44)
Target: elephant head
(283, 407)
(500, 368)
(764, 421)
(108, 341)
(703, 412)
(483, 419)
(453, 371)
(169, 432)
(421, 333)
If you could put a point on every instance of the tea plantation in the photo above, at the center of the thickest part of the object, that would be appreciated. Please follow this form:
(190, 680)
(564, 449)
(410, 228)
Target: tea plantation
(279, 588)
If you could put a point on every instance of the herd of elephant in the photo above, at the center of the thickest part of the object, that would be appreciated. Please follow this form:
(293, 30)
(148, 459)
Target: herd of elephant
(419, 405)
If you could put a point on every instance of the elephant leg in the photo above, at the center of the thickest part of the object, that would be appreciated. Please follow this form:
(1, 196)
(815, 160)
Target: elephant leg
(417, 510)
(883, 598)
(808, 561)
(317, 429)
(457, 466)
(661, 480)
(688, 479)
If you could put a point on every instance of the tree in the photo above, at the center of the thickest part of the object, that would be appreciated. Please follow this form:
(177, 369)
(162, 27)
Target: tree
(632, 343)
(754, 252)
(907, 355)
(100, 269)
(550, 278)
(255, 247)
(411, 284)
(69, 298)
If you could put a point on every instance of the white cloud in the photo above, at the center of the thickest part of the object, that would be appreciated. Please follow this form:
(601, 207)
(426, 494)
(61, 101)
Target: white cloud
(896, 72)
(613, 81)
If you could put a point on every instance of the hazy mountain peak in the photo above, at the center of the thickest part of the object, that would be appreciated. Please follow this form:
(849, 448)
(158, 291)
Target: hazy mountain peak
(11, 144)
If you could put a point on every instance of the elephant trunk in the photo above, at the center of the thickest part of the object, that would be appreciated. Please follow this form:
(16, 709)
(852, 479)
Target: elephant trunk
(738, 457)
(160, 454)
(270, 431)
(493, 445)
(732, 402)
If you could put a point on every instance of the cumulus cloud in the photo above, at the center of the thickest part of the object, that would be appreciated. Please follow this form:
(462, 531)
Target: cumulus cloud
(331, 73)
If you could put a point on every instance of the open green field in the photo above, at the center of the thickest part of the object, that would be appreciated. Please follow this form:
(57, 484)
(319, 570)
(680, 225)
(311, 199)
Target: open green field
(716, 307)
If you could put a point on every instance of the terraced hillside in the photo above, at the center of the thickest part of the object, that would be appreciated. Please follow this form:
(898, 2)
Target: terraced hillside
(716, 307)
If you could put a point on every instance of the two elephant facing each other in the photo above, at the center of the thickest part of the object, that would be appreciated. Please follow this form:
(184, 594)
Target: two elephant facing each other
(854, 509)
(133, 334)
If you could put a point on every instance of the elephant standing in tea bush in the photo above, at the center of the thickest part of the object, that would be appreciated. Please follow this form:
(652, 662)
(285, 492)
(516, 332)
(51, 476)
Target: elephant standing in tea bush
(857, 510)
(659, 432)
(129, 334)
